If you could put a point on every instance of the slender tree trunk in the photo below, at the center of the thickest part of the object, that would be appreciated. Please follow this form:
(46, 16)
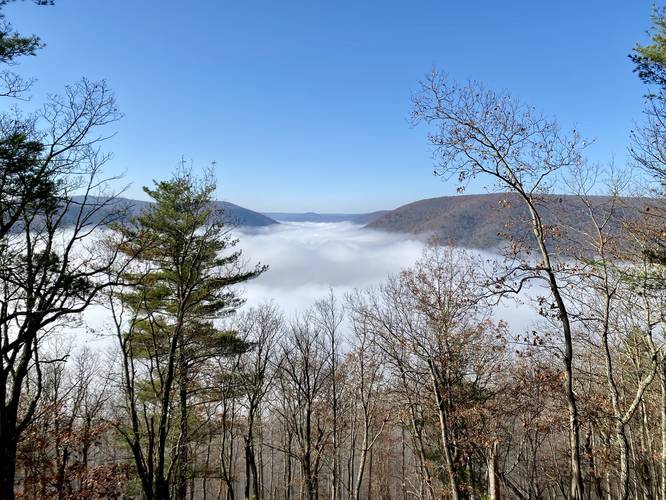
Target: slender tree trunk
(370, 476)
(251, 473)
(226, 469)
(663, 431)
(493, 473)
(287, 469)
(403, 480)
(577, 488)
(361, 465)
(248, 461)
(351, 458)
(576, 485)
(183, 455)
(336, 458)
(259, 469)
(424, 471)
(255, 474)
(62, 467)
(162, 482)
(271, 468)
(590, 442)
(309, 472)
(204, 481)
(623, 444)
(444, 432)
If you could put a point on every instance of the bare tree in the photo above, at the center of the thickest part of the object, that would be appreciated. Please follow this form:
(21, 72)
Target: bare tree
(50, 271)
(368, 390)
(304, 378)
(62, 453)
(432, 325)
(261, 328)
(477, 132)
(328, 318)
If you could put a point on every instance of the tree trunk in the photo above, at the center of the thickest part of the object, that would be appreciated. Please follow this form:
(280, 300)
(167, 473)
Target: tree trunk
(493, 476)
(576, 486)
(248, 460)
(361, 465)
(8, 461)
(162, 489)
(663, 431)
(403, 482)
(287, 469)
(251, 473)
(335, 444)
(444, 432)
(370, 476)
(577, 489)
(226, 471)
(621, 437)
(183, 451)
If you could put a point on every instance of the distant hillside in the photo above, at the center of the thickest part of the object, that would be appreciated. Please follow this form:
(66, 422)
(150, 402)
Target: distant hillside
(369, 218)
(240, 216)
(482, 221)
(317, 217)
(233, 214)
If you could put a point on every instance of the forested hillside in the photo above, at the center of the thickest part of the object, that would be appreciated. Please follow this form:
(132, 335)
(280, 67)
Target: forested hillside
(127, 208)
(489, 221)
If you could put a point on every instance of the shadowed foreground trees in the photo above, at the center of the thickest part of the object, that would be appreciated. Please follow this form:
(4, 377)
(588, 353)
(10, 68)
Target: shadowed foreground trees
(53, 197)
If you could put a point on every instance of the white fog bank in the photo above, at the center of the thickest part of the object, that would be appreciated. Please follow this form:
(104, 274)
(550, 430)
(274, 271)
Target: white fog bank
(306, 260)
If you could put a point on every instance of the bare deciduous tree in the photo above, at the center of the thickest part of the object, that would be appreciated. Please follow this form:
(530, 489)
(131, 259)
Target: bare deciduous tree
(477, 132)
(53, 182)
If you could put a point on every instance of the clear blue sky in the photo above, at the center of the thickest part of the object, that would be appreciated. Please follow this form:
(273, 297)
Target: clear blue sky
(304, 104)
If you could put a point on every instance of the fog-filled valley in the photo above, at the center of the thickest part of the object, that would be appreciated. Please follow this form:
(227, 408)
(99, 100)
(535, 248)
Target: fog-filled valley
(442, 275)
(309, 260)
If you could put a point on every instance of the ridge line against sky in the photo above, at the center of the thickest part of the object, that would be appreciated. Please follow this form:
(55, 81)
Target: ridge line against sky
(303, 106)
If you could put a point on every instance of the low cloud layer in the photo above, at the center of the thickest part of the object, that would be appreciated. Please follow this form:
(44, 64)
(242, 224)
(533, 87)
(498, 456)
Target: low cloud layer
(308, 259)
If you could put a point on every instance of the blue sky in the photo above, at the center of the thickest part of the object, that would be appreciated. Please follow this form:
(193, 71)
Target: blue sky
(303, 105)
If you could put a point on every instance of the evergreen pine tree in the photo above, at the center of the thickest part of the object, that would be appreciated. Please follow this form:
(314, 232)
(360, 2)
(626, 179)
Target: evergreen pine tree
(181, 285)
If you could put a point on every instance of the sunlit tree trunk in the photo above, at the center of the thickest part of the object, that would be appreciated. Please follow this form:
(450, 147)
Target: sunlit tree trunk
(493, 473)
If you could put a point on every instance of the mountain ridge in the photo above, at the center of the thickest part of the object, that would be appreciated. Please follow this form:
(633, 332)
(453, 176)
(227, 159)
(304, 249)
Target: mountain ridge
(233, 214)
(484, 221)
